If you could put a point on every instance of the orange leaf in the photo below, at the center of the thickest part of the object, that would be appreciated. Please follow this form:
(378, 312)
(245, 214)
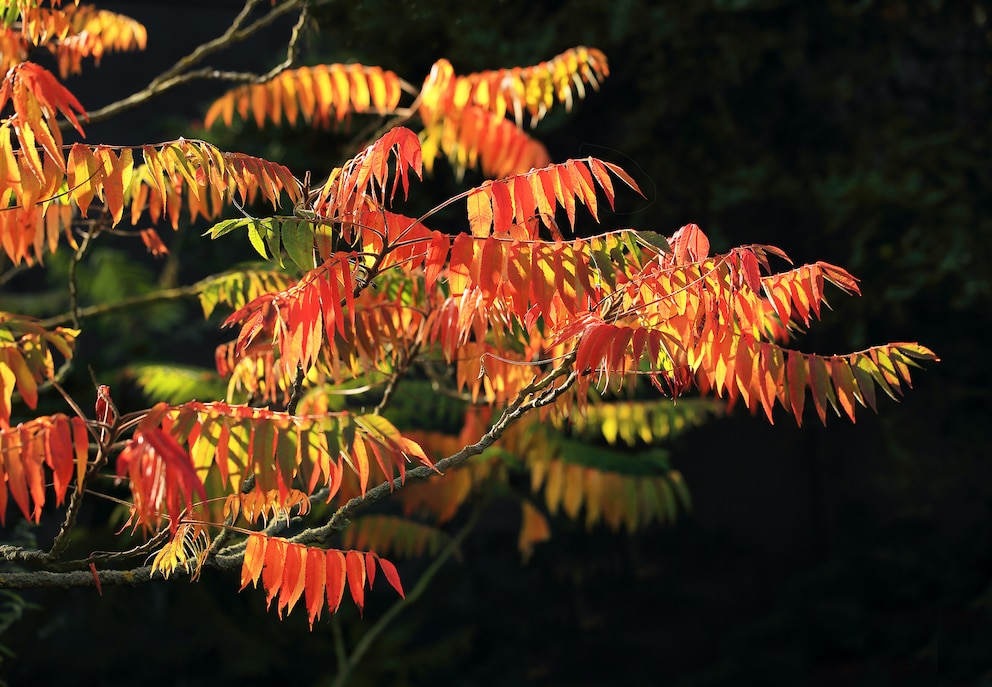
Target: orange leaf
(294, 577)
(33, 453)
(251, 566)
(533, 529)
(153, 243)
(316, 578)
(275, 560)
(14, 466)
(355, 564)
(480, 212)
(360, 452)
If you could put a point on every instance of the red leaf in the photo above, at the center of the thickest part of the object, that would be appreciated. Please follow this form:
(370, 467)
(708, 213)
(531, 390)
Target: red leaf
(33, 453)
(626, 178)
(60, 455)
(437, 254)
(750, 270)
(336, 569)
(96, 579)
(393, 577)
(153, 243)
(370, 567)
(106, 411)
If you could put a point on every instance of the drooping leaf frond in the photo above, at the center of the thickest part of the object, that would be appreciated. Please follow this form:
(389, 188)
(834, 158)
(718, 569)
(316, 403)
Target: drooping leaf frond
(258, 504)
(636, 422)
(37, 97)
(513, 91)
(362, 183)
(294, 571)
(315, 93)
(394, 535)
(619, 500)
(175, 384)
(465, 116)
(237, 288)
(160, 475)
(55, 441)
(474, 136)
(180, 173)
(496, 206)
(627, 490)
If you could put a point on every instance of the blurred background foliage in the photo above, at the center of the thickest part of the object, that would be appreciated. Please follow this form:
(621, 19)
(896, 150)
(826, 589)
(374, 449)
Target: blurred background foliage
(851, 131)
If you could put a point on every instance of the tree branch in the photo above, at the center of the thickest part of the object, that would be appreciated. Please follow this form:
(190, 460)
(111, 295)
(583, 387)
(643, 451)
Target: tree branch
(84, 578)
(541, 393)
(179, 72)
(108, 308)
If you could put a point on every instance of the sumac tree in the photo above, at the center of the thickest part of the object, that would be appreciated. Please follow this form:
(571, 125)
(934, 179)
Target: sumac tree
(535, 338)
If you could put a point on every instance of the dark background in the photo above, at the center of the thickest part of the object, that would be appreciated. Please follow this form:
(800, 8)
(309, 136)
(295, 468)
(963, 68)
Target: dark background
(855, 132)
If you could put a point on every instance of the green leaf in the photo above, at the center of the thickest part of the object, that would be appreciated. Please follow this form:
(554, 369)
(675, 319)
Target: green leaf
(655, 239)
(225, 227)
(604, 266)
(257, 237)
(176, 384)
(297, 237)
(271, 225)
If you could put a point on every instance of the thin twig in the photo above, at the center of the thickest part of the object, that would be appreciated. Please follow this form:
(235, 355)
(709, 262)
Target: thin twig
(142, 549)
(12, 272)
(296, 391)
(291, 48)
(180, 73)
(385, 621)
(394, 379)
(73, 286)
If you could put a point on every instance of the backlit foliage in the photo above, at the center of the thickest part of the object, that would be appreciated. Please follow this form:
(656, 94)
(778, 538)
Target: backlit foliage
(556, 347)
